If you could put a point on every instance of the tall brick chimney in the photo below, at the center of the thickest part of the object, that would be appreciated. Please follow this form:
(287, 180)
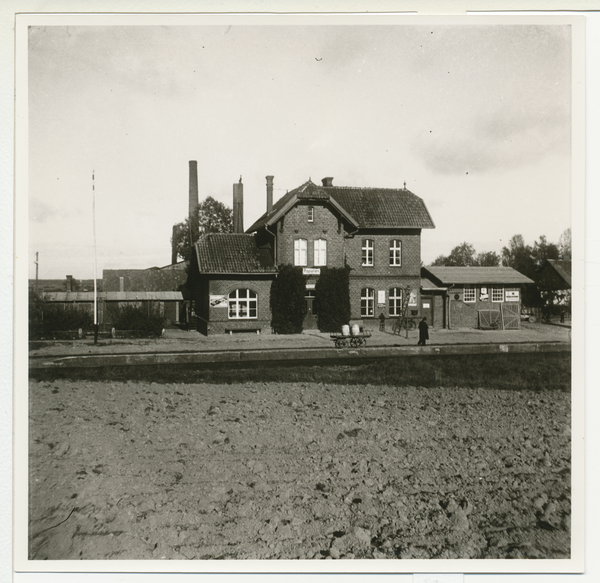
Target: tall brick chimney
(238, 207)
(193, 199)
(173, 246)
(69, 283)
(269, 193)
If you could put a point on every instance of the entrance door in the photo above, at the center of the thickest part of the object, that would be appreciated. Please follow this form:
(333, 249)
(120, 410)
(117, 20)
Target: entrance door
(427, 309)
(310, 320)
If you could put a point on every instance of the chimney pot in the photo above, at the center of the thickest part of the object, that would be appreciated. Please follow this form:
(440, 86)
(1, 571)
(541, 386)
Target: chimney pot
(269, 193)
(327, 181)
(238, 207)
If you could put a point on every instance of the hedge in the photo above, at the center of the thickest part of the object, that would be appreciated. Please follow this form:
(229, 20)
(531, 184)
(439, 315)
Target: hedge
(332, 298)
(288, 306)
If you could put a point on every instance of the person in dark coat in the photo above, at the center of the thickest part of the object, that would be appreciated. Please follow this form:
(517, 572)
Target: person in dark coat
(423, 332)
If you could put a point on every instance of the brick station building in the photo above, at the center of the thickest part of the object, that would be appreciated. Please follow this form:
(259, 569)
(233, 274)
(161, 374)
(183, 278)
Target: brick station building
(374, 231)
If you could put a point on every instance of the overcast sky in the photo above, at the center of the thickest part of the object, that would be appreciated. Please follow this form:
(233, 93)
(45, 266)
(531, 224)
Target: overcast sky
(475, 118)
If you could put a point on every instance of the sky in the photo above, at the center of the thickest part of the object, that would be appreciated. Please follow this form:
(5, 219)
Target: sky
(476, 119)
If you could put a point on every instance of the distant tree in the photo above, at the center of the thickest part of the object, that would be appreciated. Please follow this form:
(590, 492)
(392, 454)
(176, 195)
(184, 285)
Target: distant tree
(213, 217)
(462, 255)
(487, 259)
(542, 251)
(564, 244)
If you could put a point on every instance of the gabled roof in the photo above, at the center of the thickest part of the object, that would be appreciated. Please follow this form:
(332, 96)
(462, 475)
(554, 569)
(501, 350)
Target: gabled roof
(370, 208)
(375, 208)
(562, 268)
(476, 275)
(232, 253)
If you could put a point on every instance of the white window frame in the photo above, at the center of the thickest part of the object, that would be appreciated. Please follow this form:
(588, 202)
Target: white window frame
(396, 252)
(300, 252)
(242, 302)
(367, 302)
(471, 294)
(320, 252)
(368, 252)
(495, 292)
(311, 214)
(395, 301)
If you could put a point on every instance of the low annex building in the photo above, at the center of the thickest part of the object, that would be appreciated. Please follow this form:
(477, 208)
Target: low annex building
(376, 232)
(472, 297)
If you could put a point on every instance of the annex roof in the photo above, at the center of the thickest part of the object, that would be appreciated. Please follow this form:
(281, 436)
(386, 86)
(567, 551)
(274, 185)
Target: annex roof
(371, 208)
(562, 268)
(427, 284)
(125, 296)
(476, 275)
(232, 253)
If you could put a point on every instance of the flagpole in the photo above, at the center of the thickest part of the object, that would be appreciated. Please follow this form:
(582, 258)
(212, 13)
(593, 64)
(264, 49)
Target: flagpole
(95, 260)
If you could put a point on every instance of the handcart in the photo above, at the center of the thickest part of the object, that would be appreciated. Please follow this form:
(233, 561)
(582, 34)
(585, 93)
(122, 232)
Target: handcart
(342, 340)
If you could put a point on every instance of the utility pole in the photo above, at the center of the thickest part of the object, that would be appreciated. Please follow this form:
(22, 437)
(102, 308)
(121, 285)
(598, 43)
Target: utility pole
(37, 256)
(95, 261)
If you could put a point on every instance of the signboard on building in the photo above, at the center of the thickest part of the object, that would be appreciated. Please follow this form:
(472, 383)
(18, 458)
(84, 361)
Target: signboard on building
(511, 296)
(218, 301)
(412, 300)
(381, 297)
(311, 271)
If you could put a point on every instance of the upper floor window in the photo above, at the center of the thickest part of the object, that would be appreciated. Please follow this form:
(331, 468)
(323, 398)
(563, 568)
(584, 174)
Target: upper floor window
(367, 302)
(300, 247)
(395, 252)
(395, 301)
(243, 304)
(311, 214)
(497, 294)
(320, 257)
(469, 294)
(367, 251)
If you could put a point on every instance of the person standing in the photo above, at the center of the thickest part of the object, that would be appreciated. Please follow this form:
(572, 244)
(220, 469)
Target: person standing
(423, 332)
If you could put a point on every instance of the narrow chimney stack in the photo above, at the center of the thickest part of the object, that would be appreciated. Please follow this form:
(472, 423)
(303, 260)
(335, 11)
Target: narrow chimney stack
(327, 181)
(69, 283)
(173, 246)
(238, 207)
(193, 200)
(269, 193)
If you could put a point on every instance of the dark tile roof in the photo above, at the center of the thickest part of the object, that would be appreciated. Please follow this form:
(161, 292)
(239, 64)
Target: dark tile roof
(427, 284)
(382, 207)
(370, 208)
(135, 280)
(232, 253)
(563, 268)
(476, 275)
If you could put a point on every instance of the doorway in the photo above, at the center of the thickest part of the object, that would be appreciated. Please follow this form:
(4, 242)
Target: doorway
(310, 320)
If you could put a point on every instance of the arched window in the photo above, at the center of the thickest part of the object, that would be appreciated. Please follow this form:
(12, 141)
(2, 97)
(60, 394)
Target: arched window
(320, 258)
(243, 304)
(395, 301)
(367, 251)
(300, 246)
(367, 302)
(395, 252)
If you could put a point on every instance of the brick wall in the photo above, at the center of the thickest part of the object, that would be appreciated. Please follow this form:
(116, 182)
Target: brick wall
(324, 226)
(218, 317)
(466, 314)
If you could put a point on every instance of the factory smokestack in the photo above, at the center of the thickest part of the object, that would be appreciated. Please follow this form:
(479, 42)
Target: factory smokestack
(269, 193)
(238, 207)
(173, 246)
(193, 200)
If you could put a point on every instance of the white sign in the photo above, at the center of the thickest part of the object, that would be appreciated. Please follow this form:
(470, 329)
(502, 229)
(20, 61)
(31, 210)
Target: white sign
(426, 305)
(412, 300)
(511, 296)
(483, 294)
(311, 271)
(310, 286)
(381, 296)
(218, 301)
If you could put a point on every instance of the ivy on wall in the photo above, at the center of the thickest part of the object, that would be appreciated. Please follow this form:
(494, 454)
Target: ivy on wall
(332, 298)
(288, 306)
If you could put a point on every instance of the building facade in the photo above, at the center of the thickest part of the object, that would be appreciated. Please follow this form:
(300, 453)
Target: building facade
(375, 232)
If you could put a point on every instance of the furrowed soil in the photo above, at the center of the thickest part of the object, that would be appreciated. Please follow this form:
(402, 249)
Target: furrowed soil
(298, 470)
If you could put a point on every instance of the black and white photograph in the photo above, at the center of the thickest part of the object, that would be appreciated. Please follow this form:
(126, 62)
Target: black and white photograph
(301, 290)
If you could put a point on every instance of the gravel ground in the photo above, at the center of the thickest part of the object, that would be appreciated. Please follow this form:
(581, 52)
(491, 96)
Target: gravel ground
(296, 471)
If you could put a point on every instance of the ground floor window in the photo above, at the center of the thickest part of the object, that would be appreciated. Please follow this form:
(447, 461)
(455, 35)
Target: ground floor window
(395, 301)
(497, 294)
(367, 302)
(469, 294)
(242, 304)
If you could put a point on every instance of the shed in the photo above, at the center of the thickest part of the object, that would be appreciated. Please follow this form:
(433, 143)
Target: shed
(478, 297)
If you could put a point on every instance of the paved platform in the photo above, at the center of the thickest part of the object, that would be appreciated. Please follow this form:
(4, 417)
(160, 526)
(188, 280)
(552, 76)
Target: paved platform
(183, 347)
